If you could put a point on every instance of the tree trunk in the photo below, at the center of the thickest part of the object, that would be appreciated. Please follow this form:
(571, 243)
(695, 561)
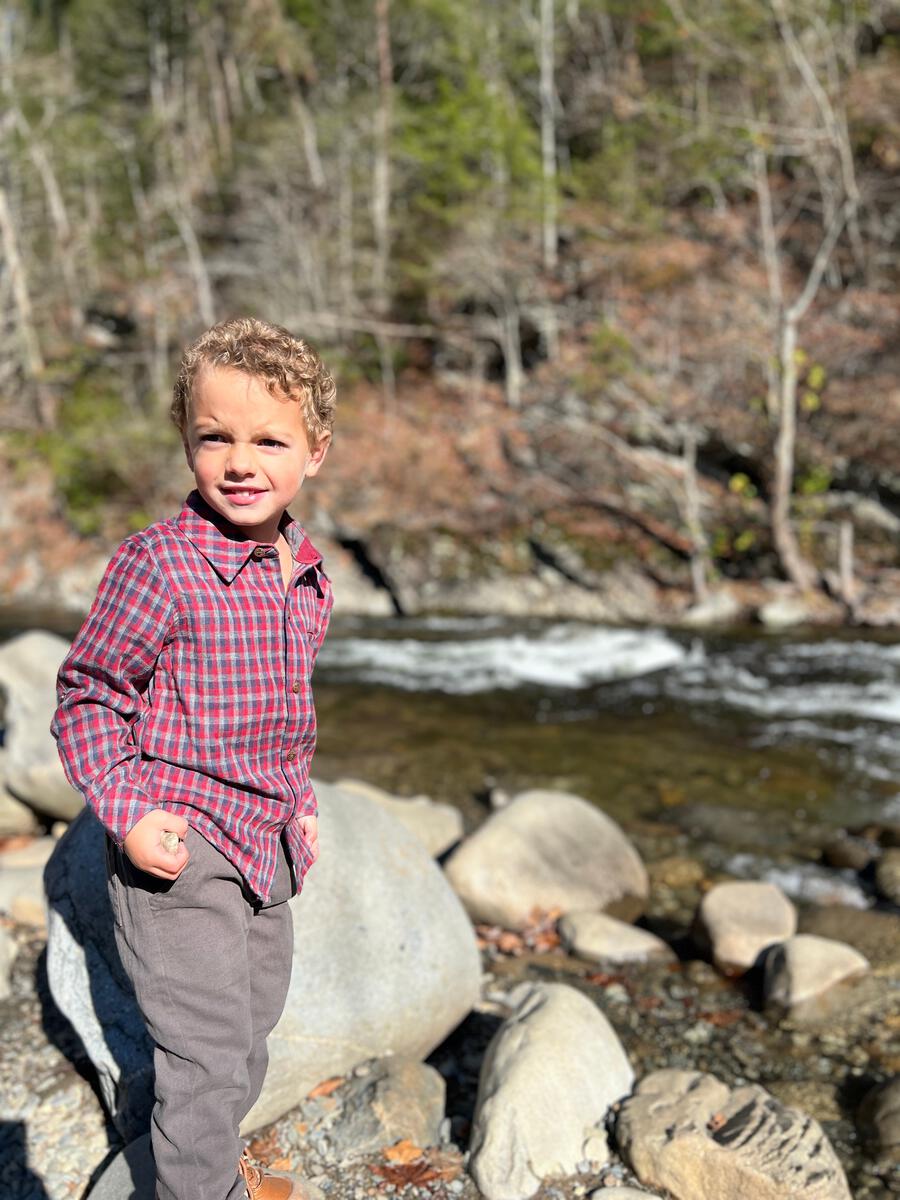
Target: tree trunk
(548, 136)
(32, 358)
(798, 570)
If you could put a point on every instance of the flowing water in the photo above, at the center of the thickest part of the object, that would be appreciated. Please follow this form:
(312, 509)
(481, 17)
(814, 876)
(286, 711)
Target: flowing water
(761, 745)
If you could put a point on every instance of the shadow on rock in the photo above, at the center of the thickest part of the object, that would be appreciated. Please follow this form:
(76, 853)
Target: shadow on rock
(16, 1177)
(84, 964)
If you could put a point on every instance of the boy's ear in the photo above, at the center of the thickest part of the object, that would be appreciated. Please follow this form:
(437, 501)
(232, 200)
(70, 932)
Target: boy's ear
(317, 456)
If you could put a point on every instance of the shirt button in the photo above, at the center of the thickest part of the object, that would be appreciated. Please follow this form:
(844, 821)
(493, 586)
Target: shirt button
(291, 755)
(260, 552)
(295, 686)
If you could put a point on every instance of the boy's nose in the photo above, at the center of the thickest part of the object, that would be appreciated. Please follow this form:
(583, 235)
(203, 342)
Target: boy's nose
(239, 460)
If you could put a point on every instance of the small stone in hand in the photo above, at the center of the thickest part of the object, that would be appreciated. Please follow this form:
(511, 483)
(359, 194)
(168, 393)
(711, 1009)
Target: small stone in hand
(169, 841)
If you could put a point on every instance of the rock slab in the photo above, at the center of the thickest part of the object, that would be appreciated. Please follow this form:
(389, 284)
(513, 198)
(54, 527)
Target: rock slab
(33, 773)
(385, 961)
(385, 1102)
(548, 1080)
(547, 850)
(689, 1134)
(737, 922)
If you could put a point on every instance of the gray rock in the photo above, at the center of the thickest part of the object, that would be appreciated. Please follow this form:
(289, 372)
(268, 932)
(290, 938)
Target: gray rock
(736, 922)
(438, 826)
(689, 1134)
(844, 851)
(879, 1116)
(785, 612)
(15, 817)
(33, 853)
(22, 895)
(32, 770)
(803, 973)
(887, 875)
(621, 1193)
(385, 961)
(547, 850)
(719, 608)
(600, 938)
(130, 1176)
(7, 955)
(396, 1098)
(549, 1077)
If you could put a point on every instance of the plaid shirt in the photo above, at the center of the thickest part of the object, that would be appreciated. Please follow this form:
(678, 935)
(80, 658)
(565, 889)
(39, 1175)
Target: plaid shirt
(188, 689)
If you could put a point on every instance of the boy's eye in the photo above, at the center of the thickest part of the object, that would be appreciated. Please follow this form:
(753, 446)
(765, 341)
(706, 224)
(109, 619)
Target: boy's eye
(212, 437)
(270, 442)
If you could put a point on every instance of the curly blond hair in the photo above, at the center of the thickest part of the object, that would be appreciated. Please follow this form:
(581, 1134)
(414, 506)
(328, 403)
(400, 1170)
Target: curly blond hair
(287, 365)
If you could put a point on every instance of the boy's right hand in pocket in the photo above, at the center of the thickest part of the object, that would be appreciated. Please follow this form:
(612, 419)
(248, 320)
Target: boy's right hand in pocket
(144, 844)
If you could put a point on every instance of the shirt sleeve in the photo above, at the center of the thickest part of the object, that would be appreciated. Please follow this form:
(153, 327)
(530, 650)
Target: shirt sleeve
(103, 684)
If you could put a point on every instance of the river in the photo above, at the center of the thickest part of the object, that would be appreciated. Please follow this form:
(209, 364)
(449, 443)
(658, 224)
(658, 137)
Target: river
(754, 746)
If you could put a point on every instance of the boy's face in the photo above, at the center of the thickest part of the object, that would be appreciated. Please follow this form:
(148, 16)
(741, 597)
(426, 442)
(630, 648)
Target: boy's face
(249, 450)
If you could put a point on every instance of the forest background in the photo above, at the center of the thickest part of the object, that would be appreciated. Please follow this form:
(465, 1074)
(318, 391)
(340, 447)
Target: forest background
(609, 287)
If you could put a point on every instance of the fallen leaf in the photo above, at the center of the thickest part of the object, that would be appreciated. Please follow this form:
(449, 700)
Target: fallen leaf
(721, 1017)
(265, 1147)
(280, 1164)
(326, 1087)
(404, 1151)
(603, 979)
(415, 1173)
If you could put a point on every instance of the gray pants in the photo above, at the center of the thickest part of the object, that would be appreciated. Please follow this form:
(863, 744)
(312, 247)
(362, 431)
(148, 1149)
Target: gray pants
(210, 968)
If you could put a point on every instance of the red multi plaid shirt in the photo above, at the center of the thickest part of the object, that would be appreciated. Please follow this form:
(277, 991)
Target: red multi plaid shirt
(188, 689)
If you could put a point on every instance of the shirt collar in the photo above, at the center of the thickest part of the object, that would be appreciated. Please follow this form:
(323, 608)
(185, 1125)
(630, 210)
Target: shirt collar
(222, 546)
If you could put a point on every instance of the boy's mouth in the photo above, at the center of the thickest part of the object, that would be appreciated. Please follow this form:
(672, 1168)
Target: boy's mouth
(242, 495)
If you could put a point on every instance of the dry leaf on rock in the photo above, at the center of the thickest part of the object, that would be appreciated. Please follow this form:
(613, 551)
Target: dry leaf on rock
(326, 1087)
(403, 1151)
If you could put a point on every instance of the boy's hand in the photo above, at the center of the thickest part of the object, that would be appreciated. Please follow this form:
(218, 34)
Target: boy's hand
(309, 830)
(145, 845)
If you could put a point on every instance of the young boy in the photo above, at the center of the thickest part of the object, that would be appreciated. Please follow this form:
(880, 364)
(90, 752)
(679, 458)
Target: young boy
(186, 720)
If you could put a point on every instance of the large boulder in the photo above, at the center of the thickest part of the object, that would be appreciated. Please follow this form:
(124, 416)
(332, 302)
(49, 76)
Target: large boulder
(385, 961)
(550, 1076)
(438, 825)
(547, 850)
(690, 1134)
(31, 767)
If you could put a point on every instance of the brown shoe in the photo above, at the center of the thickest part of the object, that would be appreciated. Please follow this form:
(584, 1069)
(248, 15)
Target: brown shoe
(261, 1185)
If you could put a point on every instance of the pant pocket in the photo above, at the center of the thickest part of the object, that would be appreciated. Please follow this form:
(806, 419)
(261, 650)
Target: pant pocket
(113, 881)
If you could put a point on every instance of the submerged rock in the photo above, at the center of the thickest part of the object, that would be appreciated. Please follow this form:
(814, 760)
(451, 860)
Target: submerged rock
(549, 1078)
(887, 875)
(547, 850)
(690, 1134)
